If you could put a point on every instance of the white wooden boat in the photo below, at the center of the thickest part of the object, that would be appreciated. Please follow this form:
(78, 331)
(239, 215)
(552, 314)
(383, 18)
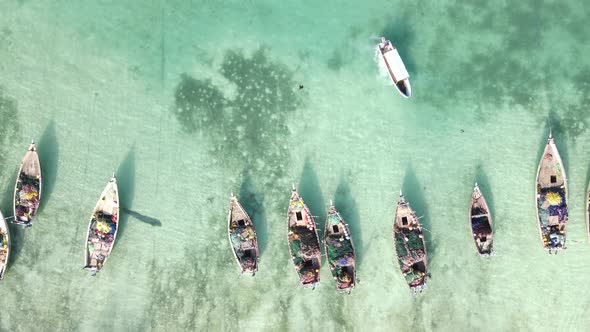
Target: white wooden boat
(395, 67)
(340, 251)
(551, 199)
(410, 246)
(27, 189)
(242, 237)
(480, 220)
(4, 245)
(304, 243)
(102, 228)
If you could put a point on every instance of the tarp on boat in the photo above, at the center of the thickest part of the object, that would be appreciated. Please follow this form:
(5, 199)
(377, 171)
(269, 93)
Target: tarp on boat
(235, 239)
(551, 205)
(481, 225)
(103, 227)
(396, 65)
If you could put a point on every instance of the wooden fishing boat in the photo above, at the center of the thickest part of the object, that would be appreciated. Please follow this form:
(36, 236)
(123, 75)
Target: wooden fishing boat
(242, 237)
(27, 190)
(480, 220)
(410, 246)
(4, 245)
(395, 67)
(551, 199)
(588, 213)
(340, 251)
(102, 228)
(304, 244)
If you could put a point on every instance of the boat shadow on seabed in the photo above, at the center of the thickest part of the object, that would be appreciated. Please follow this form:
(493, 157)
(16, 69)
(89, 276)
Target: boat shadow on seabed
(126, 180)
(253, 202)
(414, 194)
(346, 205)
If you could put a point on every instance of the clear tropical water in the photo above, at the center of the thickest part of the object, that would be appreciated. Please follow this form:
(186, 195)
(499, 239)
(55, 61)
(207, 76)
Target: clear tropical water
(187, 101)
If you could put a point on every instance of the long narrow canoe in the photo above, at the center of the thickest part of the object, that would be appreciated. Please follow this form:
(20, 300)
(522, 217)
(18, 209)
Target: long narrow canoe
(27, 190)
(410, 246)
(242, 237)
(480, 220)
(588, 213)
(4, 245)
(551, 199)
(340, 251)
(102, 228)
(304, 244)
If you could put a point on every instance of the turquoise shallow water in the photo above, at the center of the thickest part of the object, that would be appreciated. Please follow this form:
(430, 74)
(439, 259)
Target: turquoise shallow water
(99, 86)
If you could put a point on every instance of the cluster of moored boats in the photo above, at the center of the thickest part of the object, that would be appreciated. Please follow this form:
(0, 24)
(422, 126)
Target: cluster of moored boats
(551, 189)
(302, 234)
(408, 236)
(102, 228)
(303, 240)
(304, 243)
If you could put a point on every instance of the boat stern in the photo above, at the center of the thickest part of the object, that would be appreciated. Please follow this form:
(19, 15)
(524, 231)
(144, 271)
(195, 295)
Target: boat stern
(418, 289)
(92, 269)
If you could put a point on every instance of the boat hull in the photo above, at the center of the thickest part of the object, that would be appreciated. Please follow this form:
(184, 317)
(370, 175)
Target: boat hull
(304, 244)
(242, 237)
(340, 251)
(395, 68)
(102, 228)
(588, 214)
(551, 199)
(27, 189)
(410, 246)
(4, 246)
(480, 221)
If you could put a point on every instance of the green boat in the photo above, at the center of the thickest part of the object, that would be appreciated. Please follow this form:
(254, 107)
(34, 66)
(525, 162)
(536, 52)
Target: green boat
(410, 246)
(340, 251)
(304, 243)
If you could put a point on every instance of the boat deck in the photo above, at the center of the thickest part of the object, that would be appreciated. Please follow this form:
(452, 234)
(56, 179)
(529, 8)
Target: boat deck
(551, 171)
(31, 166)
(340, 251)
(243, 237)
(410, 246)
(303, 240)
(552, 206)
(109, 203)
(4, 246)
(481, 223)
(395, 65)
(482, 230)
(102, 230)
(98, 252)
(26, 197)
(553, 215)
(411, 255)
